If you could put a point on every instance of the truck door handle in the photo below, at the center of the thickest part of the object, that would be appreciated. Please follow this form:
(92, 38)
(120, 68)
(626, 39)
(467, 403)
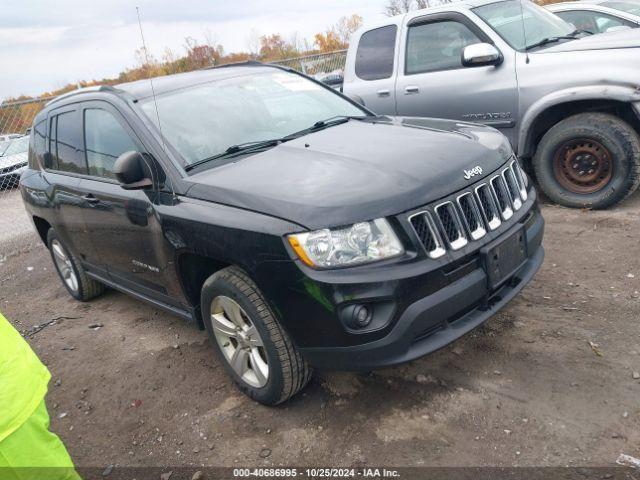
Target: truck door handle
(90, 198)
(384, 93)
(411, 89)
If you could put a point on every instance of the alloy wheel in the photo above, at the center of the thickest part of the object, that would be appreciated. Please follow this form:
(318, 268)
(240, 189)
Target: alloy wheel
(239, 341)
(64, 265)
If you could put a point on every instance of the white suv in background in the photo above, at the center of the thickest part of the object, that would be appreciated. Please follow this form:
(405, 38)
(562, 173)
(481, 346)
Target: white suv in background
(599, 16)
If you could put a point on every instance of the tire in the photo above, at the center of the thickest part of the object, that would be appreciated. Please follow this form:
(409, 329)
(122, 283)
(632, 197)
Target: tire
(287, 371)
(589, 160)
(85, 288)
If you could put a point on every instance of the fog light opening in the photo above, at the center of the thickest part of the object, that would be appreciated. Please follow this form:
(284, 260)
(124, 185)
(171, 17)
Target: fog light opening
(361, 316)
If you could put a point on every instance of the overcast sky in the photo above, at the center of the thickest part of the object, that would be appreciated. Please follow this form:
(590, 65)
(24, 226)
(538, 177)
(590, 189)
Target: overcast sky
(47, 44)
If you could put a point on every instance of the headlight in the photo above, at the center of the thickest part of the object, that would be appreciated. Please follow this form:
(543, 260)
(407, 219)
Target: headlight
(360, 243)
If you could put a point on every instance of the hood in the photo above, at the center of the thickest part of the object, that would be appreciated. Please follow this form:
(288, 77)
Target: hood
(355, 171)
(600, 41)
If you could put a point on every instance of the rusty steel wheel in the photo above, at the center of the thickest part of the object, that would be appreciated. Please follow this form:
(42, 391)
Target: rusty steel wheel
(588, 160)
(583, 165)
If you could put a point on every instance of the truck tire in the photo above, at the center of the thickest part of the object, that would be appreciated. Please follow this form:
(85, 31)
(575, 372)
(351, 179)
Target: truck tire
(589, 160)
(70, 270)
(254, 348)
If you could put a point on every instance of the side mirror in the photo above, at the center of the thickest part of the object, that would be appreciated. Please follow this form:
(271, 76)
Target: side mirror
(131, 171)
(481, 54)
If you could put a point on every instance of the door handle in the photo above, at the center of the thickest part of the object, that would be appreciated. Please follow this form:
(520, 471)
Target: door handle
(384, 93)
(90, 198)
(411, 89)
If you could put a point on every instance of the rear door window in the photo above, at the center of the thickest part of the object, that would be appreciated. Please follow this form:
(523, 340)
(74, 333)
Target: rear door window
(105, 140)
(376, 51)
(66, 141)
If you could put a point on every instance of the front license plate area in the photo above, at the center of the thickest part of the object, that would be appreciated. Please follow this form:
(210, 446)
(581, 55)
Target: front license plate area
(504, 258)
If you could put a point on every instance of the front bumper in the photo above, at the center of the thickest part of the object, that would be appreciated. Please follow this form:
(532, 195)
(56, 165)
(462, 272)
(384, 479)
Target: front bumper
(427, 323)
(418, 304)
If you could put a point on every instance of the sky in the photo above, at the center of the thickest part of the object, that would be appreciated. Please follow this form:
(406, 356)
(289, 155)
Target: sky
(48, 44)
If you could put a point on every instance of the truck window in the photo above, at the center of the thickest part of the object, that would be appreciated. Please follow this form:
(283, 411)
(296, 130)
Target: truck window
(437, 46)
(629, 7)
(374, 58)
(594, 22)
(105, 140)
(65, 143)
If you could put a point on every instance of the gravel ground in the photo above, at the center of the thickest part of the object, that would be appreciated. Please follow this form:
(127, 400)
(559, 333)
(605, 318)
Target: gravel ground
(527, 389)
(16, 230)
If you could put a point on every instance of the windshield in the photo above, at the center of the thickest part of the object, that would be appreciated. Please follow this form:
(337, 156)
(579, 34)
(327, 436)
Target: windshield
(20, 145)
(205, 120)
(629, 7)
(539, 24)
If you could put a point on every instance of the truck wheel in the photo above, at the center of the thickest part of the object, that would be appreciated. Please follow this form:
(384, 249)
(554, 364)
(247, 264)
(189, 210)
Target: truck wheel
(70, 270)
(256, 351)
(589, 160)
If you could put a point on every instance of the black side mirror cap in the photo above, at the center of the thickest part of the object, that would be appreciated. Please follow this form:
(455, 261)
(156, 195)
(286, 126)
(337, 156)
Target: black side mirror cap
(131, 171)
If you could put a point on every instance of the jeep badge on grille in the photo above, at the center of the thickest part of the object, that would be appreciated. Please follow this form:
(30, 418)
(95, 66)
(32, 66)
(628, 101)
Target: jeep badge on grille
(477, 170)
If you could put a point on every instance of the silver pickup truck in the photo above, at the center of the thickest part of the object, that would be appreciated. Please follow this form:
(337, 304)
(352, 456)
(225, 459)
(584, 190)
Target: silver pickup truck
(567, 100)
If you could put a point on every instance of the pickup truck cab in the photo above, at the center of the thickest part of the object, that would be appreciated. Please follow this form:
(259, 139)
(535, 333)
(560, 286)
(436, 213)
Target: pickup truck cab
(569, 102)
(300, 229)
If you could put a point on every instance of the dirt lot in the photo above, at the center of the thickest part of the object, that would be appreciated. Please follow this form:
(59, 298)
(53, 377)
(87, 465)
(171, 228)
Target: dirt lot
(526, 389)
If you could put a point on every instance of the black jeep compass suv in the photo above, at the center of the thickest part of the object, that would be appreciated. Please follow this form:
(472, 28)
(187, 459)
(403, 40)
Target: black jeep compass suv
(298, 227)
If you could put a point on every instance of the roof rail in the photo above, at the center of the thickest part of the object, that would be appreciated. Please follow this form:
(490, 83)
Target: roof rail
(244, 63)
(97, 88)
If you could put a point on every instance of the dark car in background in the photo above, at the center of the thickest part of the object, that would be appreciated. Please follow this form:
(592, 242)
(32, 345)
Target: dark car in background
(299, 228)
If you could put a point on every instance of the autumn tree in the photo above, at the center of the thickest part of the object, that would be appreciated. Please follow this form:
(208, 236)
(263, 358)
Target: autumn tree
(274, 47)
(337, 36)
(205, 55)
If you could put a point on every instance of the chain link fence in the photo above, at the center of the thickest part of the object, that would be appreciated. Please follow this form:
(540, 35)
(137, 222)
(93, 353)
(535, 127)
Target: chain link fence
(326, 67)
(16, 231)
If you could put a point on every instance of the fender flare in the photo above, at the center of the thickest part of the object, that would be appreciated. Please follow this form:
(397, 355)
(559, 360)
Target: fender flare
(620, 93)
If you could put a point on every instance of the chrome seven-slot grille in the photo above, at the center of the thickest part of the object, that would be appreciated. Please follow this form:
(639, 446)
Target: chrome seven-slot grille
(473, 213)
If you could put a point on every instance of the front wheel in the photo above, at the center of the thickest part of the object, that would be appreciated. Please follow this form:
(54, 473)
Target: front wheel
(70, 270)
(254, 348)
(589, 160)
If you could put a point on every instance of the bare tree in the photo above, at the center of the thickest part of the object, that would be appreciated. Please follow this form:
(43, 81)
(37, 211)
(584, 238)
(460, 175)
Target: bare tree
(346, 26)
(253, 43)
(396, 7)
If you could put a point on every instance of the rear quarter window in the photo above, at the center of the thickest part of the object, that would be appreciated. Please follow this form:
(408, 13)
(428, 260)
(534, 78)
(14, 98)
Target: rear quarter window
(38, 144)
(376, 50)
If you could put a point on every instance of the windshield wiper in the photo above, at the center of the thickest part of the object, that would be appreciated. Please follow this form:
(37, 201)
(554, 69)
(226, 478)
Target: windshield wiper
(235, 149)
(337, 120)
(260, 144)
(328, 122)
(577, 32)
(548, 40)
